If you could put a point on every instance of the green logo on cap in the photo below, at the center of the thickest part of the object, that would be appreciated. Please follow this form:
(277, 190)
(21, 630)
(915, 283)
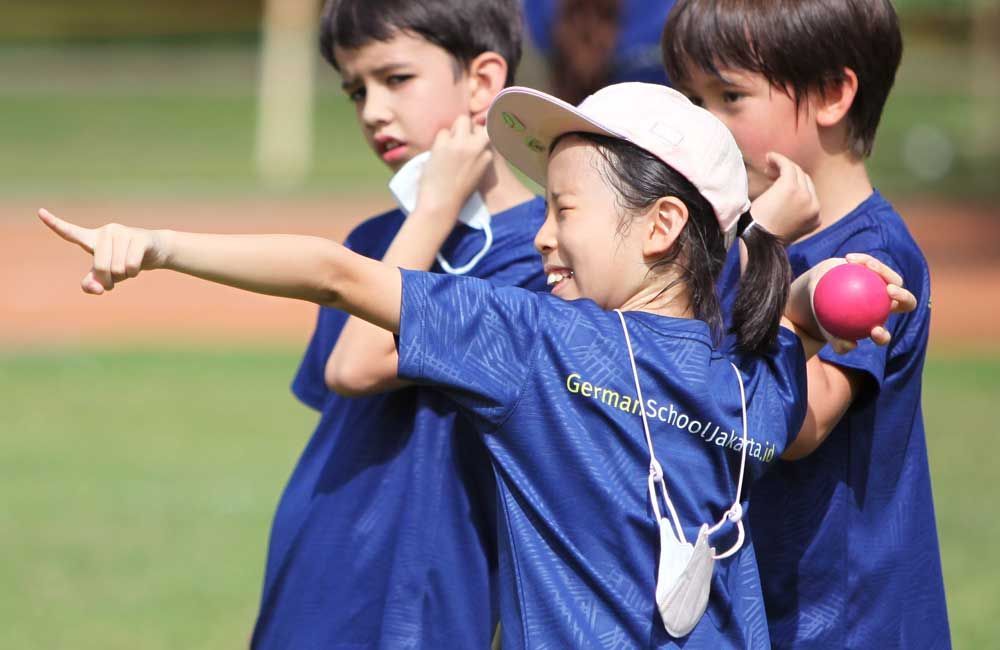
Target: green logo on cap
(534, 144)
(511, 121)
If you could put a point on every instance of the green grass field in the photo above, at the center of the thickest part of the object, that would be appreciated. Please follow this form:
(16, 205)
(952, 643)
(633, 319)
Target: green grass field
(138, 488)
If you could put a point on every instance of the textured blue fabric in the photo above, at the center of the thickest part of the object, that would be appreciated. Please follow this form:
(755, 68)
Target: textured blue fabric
(637, 48)
(549, 384)
(846, 538)
(385, 534)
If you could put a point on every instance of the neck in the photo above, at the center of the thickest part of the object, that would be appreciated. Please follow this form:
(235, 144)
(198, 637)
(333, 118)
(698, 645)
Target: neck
(842, 183)
(500, 188)
(673, 302)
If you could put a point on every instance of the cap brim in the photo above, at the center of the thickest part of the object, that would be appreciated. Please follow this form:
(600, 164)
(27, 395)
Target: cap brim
(522, 124)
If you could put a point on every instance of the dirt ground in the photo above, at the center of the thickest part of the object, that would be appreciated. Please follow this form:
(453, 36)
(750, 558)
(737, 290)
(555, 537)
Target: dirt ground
(41, 305)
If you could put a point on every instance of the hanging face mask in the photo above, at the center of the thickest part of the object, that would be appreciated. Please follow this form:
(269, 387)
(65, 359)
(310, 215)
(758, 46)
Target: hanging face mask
(684, 580)
(684, 575)
(405, 185)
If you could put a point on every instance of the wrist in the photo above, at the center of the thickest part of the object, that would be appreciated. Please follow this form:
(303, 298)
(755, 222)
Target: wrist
(163, 244)
(799, 308)
(441, 213)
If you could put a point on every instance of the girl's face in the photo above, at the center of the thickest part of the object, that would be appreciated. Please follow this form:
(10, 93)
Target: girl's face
(585, 252)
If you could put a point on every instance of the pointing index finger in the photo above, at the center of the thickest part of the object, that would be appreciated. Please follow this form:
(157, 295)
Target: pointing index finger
(85, 238)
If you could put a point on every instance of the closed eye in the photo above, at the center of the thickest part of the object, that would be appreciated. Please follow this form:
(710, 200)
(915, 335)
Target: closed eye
(397, 79)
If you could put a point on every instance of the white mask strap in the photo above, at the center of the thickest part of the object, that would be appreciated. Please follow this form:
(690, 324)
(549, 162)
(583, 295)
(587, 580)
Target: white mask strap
(465, 268)
(735, 512)
(655, 469)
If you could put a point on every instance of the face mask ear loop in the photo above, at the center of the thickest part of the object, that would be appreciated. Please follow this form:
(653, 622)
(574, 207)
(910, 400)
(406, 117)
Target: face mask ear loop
(655, 469)
(465, 268)
(735, 513)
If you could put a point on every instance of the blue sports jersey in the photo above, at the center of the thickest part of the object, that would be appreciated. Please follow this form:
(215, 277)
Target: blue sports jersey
(549, 384)
(637, 48)
(385, 534)
(846, 539)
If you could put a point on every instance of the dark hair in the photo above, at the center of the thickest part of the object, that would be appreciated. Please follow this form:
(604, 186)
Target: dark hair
(640, 179)
(463, 28)
(804, 45)
(584, 33)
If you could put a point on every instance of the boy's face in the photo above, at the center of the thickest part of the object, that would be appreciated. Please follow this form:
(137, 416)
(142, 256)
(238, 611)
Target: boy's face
(762, 119)
(404, 91)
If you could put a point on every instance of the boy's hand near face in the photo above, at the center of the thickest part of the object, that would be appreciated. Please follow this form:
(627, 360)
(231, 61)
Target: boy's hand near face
(459, 158)
(364, 360)
(788, 209)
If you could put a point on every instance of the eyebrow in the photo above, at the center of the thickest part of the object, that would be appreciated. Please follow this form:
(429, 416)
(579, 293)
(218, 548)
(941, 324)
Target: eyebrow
(555, 196)
(382, 70)
(719, 79)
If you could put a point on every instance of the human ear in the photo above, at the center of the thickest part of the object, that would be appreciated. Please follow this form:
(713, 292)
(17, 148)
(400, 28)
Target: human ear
(834, 100)
(664, 222)
(487, 74)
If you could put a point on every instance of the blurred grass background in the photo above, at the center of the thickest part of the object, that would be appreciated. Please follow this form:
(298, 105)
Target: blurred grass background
(139, 483)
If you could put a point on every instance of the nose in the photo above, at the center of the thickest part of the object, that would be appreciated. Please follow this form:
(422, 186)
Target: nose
(545, 238)
(377, 110)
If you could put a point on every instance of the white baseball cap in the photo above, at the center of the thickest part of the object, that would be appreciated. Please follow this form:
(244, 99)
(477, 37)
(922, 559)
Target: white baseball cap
(523, 123)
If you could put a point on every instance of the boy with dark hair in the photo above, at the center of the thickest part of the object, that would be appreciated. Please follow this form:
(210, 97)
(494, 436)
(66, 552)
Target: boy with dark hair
(384, 536)
(845, 535)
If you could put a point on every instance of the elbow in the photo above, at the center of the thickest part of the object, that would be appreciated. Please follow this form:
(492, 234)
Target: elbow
(796, 452)
(811, 436)
(350, 380)
(328, 281)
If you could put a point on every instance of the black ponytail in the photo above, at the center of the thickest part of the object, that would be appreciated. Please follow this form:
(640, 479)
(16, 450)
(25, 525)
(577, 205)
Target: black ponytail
(763, 290)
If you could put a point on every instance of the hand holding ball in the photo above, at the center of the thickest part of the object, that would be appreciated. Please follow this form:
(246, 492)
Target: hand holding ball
(851, 299)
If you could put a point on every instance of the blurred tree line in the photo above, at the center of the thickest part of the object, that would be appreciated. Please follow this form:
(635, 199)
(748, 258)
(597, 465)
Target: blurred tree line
(136, 19)
(83, 20)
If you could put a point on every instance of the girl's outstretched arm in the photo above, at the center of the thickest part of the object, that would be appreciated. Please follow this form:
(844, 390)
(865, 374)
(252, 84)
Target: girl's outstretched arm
(306, 268)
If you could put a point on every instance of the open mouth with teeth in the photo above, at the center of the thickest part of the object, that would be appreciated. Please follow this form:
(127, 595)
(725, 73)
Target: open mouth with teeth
(391, 149)
(556, 278)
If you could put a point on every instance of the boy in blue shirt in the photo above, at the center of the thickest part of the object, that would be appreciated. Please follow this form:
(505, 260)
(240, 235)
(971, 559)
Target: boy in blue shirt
(384, 535)
(845, 534)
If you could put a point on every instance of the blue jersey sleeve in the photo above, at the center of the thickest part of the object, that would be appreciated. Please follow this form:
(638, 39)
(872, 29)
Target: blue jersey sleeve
(473, 340)
(776, 386)
(309, 384)
(790, 387)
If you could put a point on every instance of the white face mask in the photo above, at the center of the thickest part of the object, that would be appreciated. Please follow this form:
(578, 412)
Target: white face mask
(405, 185)
(684, 577)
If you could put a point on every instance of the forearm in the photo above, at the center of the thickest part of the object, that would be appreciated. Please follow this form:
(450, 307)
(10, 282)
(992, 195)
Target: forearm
(292, 266)
(831, 392)
(421, 236)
